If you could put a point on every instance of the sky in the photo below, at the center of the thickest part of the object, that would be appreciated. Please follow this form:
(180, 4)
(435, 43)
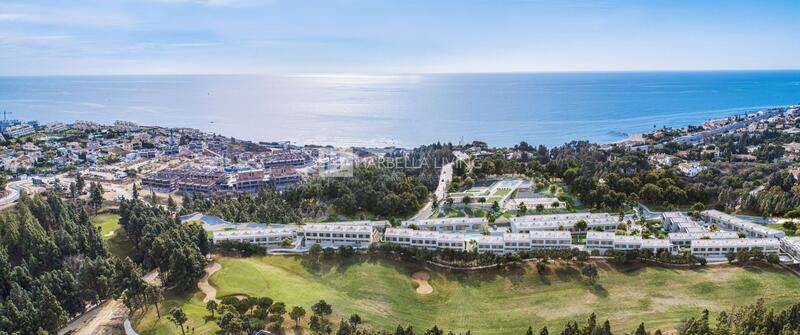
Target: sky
(79, 37)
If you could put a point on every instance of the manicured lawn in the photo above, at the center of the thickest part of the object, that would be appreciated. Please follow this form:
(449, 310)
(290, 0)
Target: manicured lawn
(496, 302)
(501, 192)
(107, 223)
(115, 236)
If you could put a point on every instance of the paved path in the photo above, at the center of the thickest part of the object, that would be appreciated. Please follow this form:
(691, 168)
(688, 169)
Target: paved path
(12, 195)
(445, 176)
(203, 285)
(105, 318)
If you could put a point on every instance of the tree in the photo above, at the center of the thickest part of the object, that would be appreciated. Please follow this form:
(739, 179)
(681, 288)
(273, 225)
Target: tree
(322, 309)
(80, 183)
(539, 208)
(178, 317)
(212, 306)
(543, 331)
(171, 205)
(522, 209)
(296, 314)
(96, 199)
(355, 320)
(589, 271)
(495, 206)
(135, 192)
(153, 296)
(731, 256)
(640, 330)
(581, 225)
(541, 268)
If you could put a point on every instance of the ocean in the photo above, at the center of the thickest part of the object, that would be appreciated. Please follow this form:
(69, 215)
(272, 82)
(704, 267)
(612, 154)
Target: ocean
(406, 110)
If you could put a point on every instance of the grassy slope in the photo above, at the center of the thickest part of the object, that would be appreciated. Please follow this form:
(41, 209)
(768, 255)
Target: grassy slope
(502, 303)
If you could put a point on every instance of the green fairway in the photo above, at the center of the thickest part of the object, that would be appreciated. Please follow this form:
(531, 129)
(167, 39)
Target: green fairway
(501, 302)
(115, 236)
(108, 223)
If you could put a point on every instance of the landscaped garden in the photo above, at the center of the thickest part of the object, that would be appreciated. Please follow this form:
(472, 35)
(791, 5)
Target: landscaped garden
(494, 302)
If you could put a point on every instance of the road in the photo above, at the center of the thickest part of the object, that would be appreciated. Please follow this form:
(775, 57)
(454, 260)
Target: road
(105, 318)
(13, 189)
(445, 176)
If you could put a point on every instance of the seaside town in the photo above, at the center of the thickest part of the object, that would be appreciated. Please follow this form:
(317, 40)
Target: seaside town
(721, 193)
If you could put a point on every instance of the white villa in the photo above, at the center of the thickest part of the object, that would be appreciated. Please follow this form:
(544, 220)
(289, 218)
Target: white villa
(792, 246)
(680, 222)
(449, 224)
(691, 169)
(498, 244)
(718, 248)
(685, 239)
(529, 223)
(731, 222)
(422, 239)
(610, 241)
(269, 238)
(490, 244)
(333, 235)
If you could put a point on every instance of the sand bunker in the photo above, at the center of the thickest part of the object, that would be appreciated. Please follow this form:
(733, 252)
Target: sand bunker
(203, 285)
(421, 278)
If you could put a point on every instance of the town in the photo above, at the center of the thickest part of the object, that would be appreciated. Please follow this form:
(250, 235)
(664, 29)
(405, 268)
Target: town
(663, 200)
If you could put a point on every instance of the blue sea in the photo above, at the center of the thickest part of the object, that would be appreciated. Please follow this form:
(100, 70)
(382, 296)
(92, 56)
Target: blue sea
(406, 110)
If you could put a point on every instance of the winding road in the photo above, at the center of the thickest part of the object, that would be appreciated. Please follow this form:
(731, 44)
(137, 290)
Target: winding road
(106, 318)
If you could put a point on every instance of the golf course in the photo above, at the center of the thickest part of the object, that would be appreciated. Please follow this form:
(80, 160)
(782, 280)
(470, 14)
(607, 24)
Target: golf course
(494, 302)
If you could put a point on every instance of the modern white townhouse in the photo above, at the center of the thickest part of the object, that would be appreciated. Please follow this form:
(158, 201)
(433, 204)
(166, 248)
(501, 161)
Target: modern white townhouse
(719, 248)
(680, 222)
(452, 241)
(449, 224)
(734, 223)
(529, 223)
(685, 239)
(269, 238)
(550, 240)
(791, 245)
(421, 239)
(490, 244)
(513, 242)
(609, 241)
(602, 241)
(334, 235)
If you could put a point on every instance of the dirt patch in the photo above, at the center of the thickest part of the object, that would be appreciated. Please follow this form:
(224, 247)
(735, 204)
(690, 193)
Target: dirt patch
(203, 285)
(421, 278)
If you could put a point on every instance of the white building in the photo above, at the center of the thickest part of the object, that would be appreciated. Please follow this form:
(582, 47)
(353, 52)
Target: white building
(126, 126)
(680, 222)
(529, 223)
(685, 239)
(411, 238)
(603, 241)
(334, 235)
(19, 130)
(490, 244)
(691, 169)
(719, 248)
(269, 238)
(55, 127)
(791, 245)
(662, 159)
(734, 223)
(449, 224)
